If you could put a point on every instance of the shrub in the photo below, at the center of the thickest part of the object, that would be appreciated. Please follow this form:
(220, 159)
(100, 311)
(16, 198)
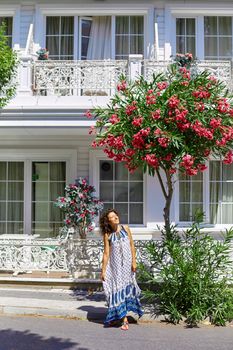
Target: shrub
(194, 271)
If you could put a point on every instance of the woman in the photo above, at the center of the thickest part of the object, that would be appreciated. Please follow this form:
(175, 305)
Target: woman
(118, 270)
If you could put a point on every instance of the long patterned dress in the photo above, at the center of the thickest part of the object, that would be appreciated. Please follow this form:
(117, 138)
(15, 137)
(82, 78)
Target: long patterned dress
(120, 286)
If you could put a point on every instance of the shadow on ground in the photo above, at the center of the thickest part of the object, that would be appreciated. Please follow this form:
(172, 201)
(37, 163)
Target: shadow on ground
(21, 340)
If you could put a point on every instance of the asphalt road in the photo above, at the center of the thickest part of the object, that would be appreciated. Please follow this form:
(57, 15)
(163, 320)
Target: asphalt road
(37, 333)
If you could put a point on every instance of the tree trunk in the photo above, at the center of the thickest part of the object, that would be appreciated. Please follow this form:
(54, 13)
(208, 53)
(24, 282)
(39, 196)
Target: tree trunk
(168, 193)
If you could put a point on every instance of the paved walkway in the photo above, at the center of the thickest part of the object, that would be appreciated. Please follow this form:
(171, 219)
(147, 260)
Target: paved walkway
(55, 302)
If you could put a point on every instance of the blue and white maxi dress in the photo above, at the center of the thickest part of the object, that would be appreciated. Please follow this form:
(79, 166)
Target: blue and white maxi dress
(120, 286)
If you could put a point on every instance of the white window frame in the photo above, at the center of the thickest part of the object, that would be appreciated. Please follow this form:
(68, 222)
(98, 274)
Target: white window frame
(30, 156)
(206, 202)
(94, 159)
(198, 11)
(102, 10)
(182, 17)
(14, 12)
(80, 35)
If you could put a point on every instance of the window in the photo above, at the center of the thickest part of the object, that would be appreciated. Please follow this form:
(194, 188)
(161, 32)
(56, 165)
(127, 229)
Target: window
(8, 21)
(60, 37)
(85, 36)
(129, 36)
(11, 197)
(18, 195)
(221, 193)
(48, 181)
(217, 184)
(186, 35)
(190, 196)
(218, 37)
(121, 190)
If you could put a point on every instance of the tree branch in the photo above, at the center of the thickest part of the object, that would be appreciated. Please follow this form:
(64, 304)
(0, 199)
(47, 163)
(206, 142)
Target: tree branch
(161, 183)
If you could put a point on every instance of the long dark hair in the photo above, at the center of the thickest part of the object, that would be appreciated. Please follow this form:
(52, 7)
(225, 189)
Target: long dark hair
(105, 227)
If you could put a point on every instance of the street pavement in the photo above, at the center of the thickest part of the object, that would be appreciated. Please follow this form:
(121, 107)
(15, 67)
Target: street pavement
(57, 319)
(40, 333)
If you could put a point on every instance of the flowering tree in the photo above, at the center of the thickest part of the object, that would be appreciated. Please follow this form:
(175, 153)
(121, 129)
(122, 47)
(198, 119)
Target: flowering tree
(80, 206)
(8, 67)
(175, 121)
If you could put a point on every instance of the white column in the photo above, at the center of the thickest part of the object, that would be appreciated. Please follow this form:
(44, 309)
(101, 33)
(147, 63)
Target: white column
(135, 66)
(25, 76)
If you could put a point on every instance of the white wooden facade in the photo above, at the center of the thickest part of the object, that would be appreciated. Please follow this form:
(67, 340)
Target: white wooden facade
(45, 124)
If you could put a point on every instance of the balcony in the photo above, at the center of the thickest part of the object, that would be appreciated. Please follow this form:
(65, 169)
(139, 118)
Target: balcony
(85, 84)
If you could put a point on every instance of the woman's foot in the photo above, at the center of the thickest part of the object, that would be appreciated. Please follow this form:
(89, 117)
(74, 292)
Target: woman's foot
(125, 325)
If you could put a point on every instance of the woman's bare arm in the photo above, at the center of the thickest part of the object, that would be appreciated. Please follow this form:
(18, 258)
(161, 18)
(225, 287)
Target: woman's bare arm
(105, 256)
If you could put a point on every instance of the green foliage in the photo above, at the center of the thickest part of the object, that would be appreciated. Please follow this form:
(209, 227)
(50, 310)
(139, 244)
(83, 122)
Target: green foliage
(9, 62)
(195, 272)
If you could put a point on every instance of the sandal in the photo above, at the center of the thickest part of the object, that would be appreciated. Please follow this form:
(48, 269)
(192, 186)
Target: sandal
(125, 326)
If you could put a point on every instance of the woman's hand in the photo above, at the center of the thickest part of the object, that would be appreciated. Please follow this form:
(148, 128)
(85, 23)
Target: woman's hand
(102, 276)
(134, 266)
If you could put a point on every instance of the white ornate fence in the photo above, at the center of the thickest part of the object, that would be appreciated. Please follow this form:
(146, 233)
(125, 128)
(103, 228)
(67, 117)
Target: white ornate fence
(220, 69)
(81, 78)
(21, 255)
(99, 78)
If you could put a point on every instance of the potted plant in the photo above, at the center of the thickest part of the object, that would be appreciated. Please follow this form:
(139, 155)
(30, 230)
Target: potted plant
(81, 207)
(43, 54)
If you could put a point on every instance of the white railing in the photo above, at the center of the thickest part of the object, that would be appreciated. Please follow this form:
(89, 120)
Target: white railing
(71, 255)
(99, 78)
(220, 69)
(80, 78)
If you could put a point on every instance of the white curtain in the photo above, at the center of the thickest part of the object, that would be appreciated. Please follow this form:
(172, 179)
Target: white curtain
(99, 46)
(129, 36)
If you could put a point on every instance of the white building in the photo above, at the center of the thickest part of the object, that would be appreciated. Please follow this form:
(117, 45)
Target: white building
(44, 140)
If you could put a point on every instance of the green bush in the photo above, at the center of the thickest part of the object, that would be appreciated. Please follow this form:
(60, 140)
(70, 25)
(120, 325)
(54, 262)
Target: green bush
(194, 272)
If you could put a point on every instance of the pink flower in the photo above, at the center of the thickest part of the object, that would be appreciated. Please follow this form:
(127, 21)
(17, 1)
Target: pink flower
(173, 102)
(201, 93)
(199, 106)
(114, 119)
(228, 159)
(162, 85)
(68, 221)
(156, 114)
(202, 167)
(187, 161)
(137, 121)
(172, 170)
(130, 108)
(223, 105)
(92, 130)
(88, 114)
(130, 152)
(163, 141)
(215, 123)
(150, 99)
(151, 160)
(191, 171)
(122, 86)
(168, 157)
(158, 131)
